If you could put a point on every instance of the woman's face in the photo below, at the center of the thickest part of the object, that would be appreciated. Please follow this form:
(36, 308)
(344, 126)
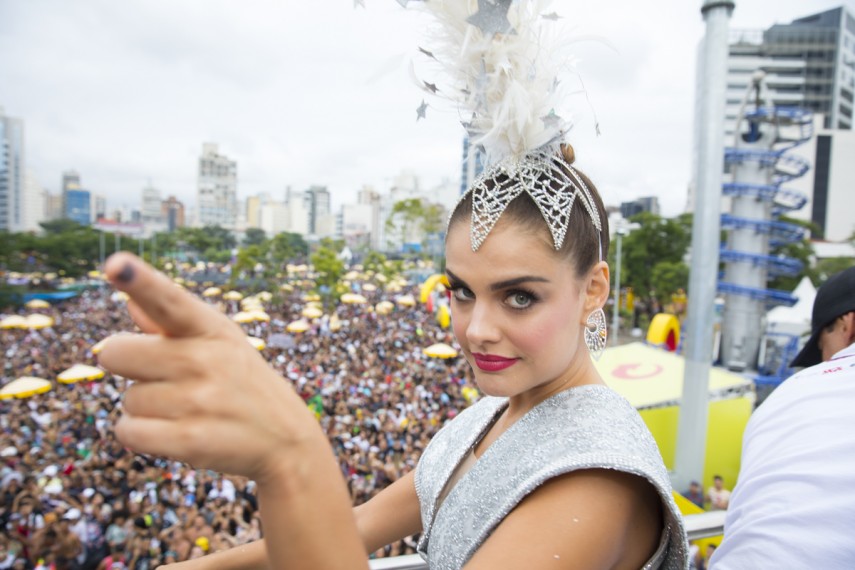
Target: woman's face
(518, 311)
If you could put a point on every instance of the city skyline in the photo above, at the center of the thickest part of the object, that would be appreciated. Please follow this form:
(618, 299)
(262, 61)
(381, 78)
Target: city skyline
(328, 104)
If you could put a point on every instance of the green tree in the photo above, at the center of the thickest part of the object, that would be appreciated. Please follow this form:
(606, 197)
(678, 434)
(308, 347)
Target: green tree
(801, 250)
(825, 268)
(414, 216)
(328, 266)
(667, 277)
(210, 242)
(374, 261)
(287, 246)
(254, 236)
(657, 240)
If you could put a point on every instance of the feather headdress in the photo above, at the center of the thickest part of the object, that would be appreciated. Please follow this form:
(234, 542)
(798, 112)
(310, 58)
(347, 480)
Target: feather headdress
(503, 60)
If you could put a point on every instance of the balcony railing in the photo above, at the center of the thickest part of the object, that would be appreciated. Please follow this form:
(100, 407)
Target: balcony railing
(703, 525)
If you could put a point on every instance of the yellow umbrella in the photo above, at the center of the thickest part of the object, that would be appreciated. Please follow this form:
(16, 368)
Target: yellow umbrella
(121, 296)
(393, 288)
(14, 322)
(256, 342)
(369, 287)
(353, 299)
(313, 297)
(233, 296)
(335, 323)
(351, 275)
(440, 350)
(37, 304)
(25, 387)
(37, 321)
(251, 305)
(406, 301)
(384, 307)
(259, 315)
(243, 317)
(381, 278)
(80, 372)
(297, 326)
(212, 292)
(312, 313)
(94, 274)
(287, 288)
(265, 296)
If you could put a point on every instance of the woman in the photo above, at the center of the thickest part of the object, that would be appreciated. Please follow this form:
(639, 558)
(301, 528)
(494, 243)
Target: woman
(552, 469)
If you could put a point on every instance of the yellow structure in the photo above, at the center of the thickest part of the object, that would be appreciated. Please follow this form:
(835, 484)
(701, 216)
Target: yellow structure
(652, 380)
(664, 331)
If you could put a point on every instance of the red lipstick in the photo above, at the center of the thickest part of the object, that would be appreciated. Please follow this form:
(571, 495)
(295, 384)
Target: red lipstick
(491, 362)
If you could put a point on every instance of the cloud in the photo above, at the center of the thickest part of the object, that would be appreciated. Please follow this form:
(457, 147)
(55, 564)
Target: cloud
(304, 93)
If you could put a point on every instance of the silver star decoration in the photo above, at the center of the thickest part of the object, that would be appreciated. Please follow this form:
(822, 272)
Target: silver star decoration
(550, 119)
(431, 87)
(553, 16)
(427, 53)
(492, 17)
(420, 112)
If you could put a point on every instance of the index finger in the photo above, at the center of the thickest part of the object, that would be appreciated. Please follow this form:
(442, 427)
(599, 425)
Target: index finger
(174, 310)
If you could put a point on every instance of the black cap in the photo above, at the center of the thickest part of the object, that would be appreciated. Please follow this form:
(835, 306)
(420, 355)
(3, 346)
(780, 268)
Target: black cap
(834, 298)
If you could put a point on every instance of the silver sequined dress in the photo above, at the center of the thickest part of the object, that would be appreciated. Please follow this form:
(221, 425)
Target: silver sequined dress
(580, 428)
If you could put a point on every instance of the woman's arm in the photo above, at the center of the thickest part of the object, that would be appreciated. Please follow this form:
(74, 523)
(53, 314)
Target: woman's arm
(590, 519)
(391, 515)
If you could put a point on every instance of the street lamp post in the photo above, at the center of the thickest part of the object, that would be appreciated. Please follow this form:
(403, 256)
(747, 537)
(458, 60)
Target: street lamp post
(620, 231)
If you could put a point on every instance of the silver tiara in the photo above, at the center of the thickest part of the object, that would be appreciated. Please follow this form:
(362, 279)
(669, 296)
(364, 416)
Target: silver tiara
(551, 182)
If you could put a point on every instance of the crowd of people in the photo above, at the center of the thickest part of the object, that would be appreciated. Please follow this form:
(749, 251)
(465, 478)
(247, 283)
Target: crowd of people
(73, 497)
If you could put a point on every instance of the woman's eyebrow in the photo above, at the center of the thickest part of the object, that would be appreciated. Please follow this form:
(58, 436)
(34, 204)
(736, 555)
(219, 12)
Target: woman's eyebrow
(499, 285)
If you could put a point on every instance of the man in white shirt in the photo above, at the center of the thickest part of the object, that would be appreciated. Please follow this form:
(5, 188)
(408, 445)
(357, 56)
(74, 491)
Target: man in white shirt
(794, 503)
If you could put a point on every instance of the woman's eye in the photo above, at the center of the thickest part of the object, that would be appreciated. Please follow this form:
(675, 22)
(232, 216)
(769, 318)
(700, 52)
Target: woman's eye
(462, 294)
(519, 300)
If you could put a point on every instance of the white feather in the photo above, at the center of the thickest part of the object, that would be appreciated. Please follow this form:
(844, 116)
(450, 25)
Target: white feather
(505, 83)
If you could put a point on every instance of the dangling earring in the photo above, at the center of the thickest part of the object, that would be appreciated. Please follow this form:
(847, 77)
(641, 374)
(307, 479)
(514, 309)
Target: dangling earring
(596, 333)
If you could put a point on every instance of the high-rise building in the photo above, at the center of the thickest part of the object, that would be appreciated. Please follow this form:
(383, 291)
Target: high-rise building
(151, 205)
(645, 204)
(53, 206)
(78, 206)
(317, 204)
(216, 188)
(12, 167)
(70, 181)
(99, 207)
(33, 204)
(809, 63)
(172, 211)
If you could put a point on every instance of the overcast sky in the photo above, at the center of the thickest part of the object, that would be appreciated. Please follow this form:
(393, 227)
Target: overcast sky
(318, 92)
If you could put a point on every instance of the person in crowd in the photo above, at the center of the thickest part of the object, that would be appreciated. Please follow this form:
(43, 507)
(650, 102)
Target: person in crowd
(695, 494)
(717, 496)
(793, 505)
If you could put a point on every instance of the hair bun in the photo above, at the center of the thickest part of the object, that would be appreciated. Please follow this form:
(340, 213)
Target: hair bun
(568, 153)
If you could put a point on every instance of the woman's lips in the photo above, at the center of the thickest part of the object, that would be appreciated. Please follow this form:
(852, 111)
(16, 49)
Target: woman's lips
(491, 362)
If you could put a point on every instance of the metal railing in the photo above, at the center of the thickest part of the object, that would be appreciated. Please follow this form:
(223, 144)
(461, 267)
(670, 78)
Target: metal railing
(703, 525)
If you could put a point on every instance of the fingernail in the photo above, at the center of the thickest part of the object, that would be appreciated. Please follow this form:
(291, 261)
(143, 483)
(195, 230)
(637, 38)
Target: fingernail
(126, 274)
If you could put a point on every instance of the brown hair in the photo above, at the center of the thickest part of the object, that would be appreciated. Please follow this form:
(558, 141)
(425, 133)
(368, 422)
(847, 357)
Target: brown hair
(582, 246)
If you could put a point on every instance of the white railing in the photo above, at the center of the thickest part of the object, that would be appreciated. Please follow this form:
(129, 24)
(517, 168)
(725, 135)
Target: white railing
(698, 526)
